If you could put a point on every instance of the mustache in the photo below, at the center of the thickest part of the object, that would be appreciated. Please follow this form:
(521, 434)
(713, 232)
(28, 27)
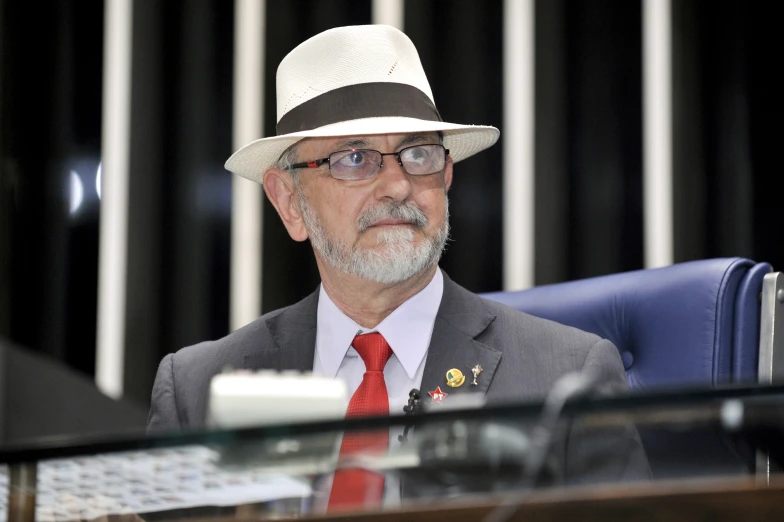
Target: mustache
(407, 212)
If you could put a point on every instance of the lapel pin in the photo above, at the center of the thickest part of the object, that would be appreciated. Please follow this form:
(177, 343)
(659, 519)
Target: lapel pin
(476, 370)
(437, 396)
(455, 378)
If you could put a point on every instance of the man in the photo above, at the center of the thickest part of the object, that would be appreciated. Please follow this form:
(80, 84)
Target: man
(361, 166)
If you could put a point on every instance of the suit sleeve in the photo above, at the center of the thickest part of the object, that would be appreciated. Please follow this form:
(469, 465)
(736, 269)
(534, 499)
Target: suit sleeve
(609, 454)
(163, 409)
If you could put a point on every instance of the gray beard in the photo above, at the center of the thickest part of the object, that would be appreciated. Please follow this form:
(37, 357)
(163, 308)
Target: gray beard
(400, 256)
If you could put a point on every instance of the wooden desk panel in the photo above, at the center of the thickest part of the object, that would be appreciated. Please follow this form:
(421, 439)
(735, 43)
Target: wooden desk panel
(709, 501)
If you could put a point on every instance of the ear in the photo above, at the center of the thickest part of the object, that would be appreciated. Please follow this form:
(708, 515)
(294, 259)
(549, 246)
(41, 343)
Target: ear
(281, 192)
(448, 173)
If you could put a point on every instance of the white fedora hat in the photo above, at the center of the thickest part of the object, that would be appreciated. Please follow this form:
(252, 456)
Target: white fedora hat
(350, 81)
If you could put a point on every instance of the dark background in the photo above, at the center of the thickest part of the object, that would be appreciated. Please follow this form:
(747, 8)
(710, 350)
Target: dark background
(589, 220)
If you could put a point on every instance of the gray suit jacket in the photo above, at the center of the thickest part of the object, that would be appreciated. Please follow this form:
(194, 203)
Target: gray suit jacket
(522, 356)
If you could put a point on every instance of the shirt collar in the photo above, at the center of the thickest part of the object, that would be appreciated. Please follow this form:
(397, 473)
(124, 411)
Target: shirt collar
(407, 329)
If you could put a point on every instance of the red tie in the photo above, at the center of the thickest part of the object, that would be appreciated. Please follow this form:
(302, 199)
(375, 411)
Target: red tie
(353, 488)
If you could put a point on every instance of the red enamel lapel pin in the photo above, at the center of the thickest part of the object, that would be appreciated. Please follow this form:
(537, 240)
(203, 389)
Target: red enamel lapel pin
(437, 395)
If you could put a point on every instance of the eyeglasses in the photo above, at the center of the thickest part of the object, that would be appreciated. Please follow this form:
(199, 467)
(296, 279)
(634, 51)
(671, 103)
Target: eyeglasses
(358, 164)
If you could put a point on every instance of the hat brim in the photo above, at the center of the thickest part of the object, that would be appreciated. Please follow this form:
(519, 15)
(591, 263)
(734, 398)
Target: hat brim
(463, 141)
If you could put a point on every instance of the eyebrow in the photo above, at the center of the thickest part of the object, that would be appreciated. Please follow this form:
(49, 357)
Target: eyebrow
(353, 143)
(414, 138)
(359, 143)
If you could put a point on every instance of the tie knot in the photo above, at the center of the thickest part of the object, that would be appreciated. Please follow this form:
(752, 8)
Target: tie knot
(374, 350)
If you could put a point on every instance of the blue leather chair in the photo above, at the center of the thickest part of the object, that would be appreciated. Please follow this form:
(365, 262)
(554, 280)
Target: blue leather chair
(690, 324)
(694, 323)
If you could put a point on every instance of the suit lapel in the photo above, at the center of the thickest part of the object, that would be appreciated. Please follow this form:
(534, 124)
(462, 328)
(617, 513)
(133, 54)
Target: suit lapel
(461, 317)
(294, 333)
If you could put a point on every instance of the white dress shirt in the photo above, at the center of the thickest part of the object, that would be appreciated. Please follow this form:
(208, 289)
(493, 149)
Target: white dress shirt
(408, 330)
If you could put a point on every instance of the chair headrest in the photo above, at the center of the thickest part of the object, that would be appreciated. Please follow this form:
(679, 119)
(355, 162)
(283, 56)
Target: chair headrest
(672, 325)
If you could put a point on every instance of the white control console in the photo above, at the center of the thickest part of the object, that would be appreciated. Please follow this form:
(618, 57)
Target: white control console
(243, 399)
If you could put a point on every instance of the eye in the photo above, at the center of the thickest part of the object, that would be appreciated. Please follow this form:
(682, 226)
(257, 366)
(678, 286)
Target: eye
(355, 158)
(417, 154)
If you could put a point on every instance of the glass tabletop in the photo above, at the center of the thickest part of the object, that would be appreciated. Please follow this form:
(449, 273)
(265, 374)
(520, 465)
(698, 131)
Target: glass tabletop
(467, 451)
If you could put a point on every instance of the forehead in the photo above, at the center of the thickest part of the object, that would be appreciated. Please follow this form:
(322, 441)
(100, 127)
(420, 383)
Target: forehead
(381, 142)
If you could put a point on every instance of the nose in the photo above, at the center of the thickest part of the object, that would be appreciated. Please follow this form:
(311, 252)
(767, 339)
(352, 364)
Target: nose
(392, 181)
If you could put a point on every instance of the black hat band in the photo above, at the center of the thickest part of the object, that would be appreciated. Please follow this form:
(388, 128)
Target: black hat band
(353, 102)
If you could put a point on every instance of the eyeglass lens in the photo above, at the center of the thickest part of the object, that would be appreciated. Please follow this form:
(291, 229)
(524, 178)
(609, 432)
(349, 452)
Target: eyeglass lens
(358, 164)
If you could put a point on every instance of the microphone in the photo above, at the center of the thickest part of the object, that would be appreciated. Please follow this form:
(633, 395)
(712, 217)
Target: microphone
(569, 387)
(460, 456)
(413, 407)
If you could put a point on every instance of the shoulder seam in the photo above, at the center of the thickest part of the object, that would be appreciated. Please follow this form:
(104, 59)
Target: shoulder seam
(591, 349)
(174, 393)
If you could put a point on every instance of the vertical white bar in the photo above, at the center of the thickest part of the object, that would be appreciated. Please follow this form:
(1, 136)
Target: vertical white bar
(657, 133)
(113, 236)
(247, 197)
(388, 12)
(518, 132)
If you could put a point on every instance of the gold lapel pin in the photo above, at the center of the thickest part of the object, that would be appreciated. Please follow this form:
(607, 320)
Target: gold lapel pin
(476, 370)
(455, 378)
